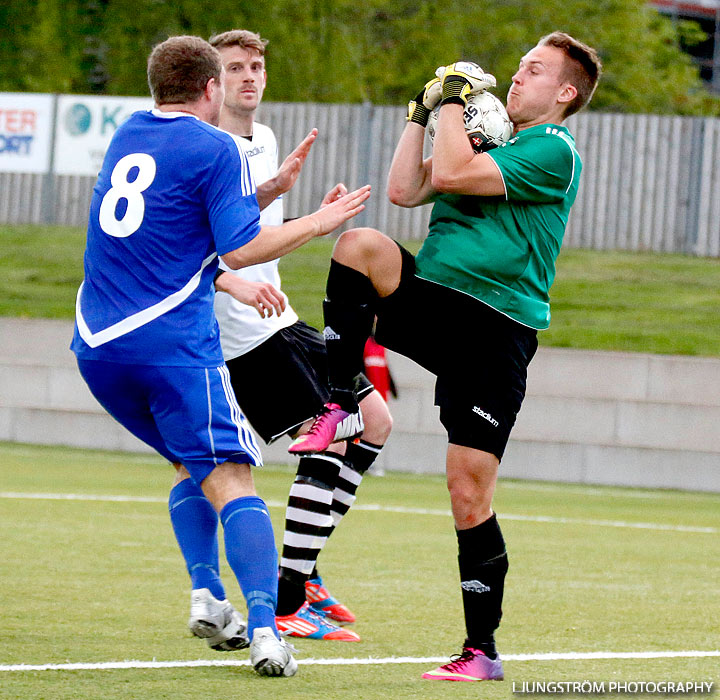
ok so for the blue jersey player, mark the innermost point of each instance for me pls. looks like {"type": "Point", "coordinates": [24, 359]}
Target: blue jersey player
{"type": "Point", "coordinates": [174, 193]}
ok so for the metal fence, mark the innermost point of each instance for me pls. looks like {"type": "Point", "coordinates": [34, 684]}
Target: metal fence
{"type": "Point", "coordinates": [649, 182]}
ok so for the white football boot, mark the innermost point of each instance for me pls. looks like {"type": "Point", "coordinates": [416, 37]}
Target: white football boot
{"type": "Point", "coordinates": [217, 622]}
{"type": "Point", "coordinates": [271, 656]}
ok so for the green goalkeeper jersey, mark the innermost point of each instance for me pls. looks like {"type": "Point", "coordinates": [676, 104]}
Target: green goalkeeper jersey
{"type": "Point", "coordinates": [502, 250]}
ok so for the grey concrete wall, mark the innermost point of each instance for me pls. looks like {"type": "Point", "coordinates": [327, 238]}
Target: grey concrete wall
{"type": "Point", "coordinates": [589, 417]}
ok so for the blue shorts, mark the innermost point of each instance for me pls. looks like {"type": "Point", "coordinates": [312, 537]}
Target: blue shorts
{"type": "Point", "coordinates": [188, 414]}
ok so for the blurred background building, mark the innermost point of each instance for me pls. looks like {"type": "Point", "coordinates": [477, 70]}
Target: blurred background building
{"type": "Point", "coordinates": [707, 14]}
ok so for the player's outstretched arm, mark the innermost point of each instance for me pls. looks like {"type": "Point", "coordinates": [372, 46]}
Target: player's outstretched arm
{"type": "Point", "coordinates": [262, 296]}
{"type": "Point", "coordinates": [287, 174]}
{"type": "Point", "coordinates": [275, 241]}
{"type": "Point", "coordinates": [335, 193]}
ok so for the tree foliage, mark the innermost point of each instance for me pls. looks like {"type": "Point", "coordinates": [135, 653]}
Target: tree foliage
{"type": "Point", "coordinates": [380, 51]}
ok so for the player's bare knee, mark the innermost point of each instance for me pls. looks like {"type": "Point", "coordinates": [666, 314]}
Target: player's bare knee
{"type": "Point", "coordinates": [377, 419]}
{"type": "Point", "coordinates": [377, 430]}
{"type": "Point", "coordinates": [373, 254]}
{"type": "Point", "coordinates": [469, 507]}
{"type": "Point", "coordinates": [386, 425]}
{"type": "Point", "coordinates": [358, 244]}
{"type": "Point", "coordinates": [464, 508]}
{"type": "Point", "coordinates": [471, 501]}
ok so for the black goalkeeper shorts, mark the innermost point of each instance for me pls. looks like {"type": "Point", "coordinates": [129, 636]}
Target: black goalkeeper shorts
{"type": "Point", "coordinates": [479, 356]}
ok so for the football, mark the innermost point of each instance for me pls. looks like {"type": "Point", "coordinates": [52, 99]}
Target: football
{"type": "Point", "coordinates": [486, 122]}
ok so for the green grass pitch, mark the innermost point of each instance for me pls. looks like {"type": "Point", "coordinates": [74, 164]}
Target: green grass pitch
{"type": "Point", "coordinates": [95, 580]}
{"type": "Point", "coordinates": [601, 300]}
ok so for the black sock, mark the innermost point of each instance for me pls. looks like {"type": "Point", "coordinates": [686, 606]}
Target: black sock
{"type": "Point", "coordinates": [487, 647]}
{"type": "Point", "coordinates": [483, 564]}
{"type": "Point", "coordinates": [362, 454]}
{"type": "Point", "coordinates": [349, 311]}
{"type": "Point", "coordinates": [291, 593]}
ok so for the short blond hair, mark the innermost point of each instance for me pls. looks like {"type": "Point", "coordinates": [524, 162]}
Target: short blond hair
{"type": "Point", "coordinates": [243, 38]}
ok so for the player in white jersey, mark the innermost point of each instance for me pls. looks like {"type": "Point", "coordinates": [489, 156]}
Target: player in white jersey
{"type": "Point", "coordinates": [242, 328]}
{"type": "Point", "coordinates": [278, 364]}
{"type": "Point", "coordinates": [173, 194]}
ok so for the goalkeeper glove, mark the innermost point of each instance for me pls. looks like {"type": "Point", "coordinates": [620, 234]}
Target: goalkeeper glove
{"type": "Point", "coordinates": [424, 102]}
{"type": "Point", "coordinates": [462, 79]}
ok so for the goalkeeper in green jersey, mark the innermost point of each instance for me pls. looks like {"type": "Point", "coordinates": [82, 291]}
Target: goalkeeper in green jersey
{"type": "Point", "coordinates": [469, 306]}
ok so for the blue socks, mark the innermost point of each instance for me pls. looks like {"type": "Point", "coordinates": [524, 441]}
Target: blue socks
{"type": "Point", "coordinates": [252, 555]}
{"type": "Point", "coordinates": [195, 523]}
{"type": "Point", "coordinates": [249, 547]}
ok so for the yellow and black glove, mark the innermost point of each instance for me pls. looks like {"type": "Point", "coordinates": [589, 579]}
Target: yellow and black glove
{"type": "Point", "coordinates": [424, 102]}
{"type": "Point", "coordinates": [462, 79]}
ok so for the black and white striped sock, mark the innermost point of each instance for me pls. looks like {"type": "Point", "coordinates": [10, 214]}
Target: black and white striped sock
{"type": "Point", "coordinates": [308, 522]}
{"type": "Point", "coordinates": [359, 457]}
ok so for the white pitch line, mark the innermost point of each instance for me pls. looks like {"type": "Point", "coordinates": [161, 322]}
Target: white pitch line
{"type": "Point", "coordinates": [81, 497]}
{"type": "Point", "coordinates": [374, 507]}
{"type": "Point", "coordinates": [547, 519]}
{"type": "Point", "coordinates": [566, 488]}
{"type": "Point", "coordinates": [611, 523]}
{"type": "Point", "coordinates": [370, 661]}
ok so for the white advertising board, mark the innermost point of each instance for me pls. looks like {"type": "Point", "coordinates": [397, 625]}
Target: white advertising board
{"type": "Point", "coordinates": [85, 125]}
{"type": "Point", "coordinates": [25, 129]}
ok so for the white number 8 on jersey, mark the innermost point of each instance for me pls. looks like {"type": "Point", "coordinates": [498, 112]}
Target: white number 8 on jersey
{"type": "Point", "coordinates": [130, 191]}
